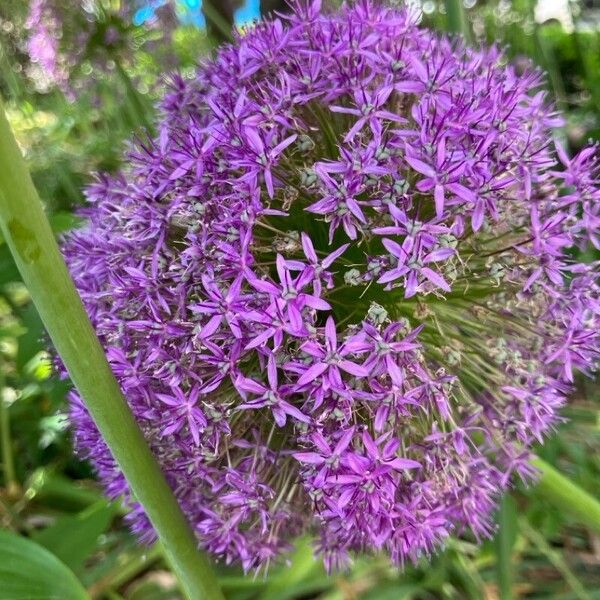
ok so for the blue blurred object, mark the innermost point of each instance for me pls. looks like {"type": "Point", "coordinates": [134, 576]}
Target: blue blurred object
{"type": "Point", "coordinates": [190, 12]}
{"type": "Point", "coordinates": [146, 12]}
{"type": "Point", "coordinates": [248, 13]}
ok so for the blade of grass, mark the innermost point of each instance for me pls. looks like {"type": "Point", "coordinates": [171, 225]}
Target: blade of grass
{"type": "Point", "coordinates": [566, 495]}
{"type": "Point", "coordinates": [133, 99]}
{"type": "Point", "coordinates": [8, 464]}
{"type": "Point", "coordinates": [31, 241]}
{"type": "Point", "coordinates": [466, 573]}
{"type": "Point", "coordinates": [138, 562]}
{"type": "Point", "coordinates": [538, 540]}
{"type": "Point", "coordinates": [8, 77]}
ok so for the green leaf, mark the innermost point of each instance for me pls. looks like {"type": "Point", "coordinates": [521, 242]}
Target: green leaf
{"type": "Point", "coordinates": [394, 591]}
{"type": "Point", "coordinates": [73, 538]}
{"type": "Point", "coordinates": [29, 572]}
{"type": "Point", "coordinates": [303, 566]}
{"type": "Point", "coordinates": [56, 491]}
{"type": "Point", "coordinates": [64, 221]}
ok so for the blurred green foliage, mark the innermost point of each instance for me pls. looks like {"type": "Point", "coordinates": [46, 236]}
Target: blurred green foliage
{"type": "Point", "coordinates": [567, 49]}
{"type": "Point", "coordinates": [49, 496]}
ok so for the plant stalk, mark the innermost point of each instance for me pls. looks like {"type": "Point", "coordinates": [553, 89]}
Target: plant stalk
{"type": "Point", "coordinates": [26, 230]}
{"type": "Point", "coordinates": [504, 550]}
{"type": "Point", "coordinates": [569, 497]}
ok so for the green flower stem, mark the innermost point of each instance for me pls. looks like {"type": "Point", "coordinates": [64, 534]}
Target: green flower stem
{"type": "Point", "coordinates": [564, 494]}
{"type": "Point", "coordinates": [31, 241]}
{"type": "Point", "coordinates": [504, 547]}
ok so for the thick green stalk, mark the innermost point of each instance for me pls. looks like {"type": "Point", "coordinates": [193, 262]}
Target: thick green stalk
{"type": "Point", "coordinates": [31, 241]}
{"type": "Point", "coordinates": [569, 497]}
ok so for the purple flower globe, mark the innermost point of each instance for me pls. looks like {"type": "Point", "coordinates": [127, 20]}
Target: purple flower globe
{"type": "Point", "coordinates": [341, 290]}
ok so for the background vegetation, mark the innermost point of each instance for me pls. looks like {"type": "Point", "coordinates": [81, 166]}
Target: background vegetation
{"type": "Point", "coordinates": [54, 522]}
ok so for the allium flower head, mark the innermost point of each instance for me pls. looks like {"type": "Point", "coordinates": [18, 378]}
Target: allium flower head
{"type": "Point", "coordinates": [339, 290]}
